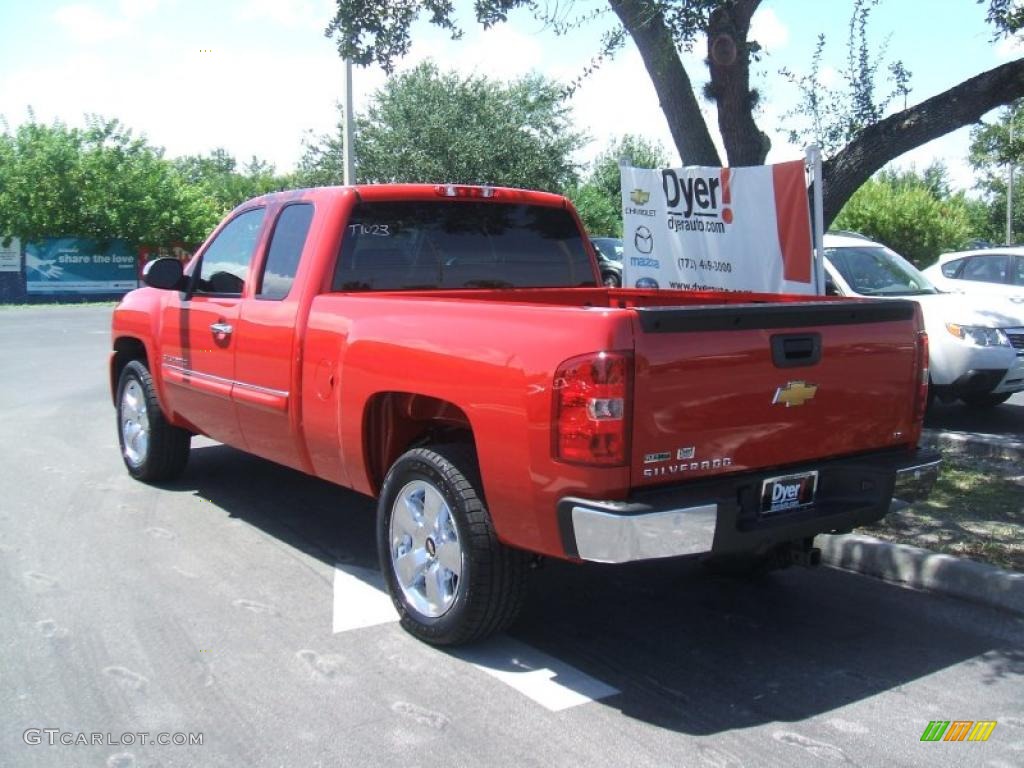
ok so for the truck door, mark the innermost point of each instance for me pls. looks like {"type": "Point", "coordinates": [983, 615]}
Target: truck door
{"type": "Point", "coordinates": [198, 331]}
{"type": "Point", "coordinates": [266, 392]}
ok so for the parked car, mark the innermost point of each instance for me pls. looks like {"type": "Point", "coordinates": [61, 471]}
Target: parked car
{"type": "Point", "coordinates": [609, 247]}
{"type": "Point", "coordinates": [976, 342]}
{"type": "Point", "coordinates": [609, 259]}
{"type": "Point", "coordinates": [988, 271]}
{"type": "Point", "coordinates": [448, 350]}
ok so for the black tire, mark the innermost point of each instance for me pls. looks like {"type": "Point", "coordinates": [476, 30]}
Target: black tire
{"type": "Point", "coordinates": [611, 280]}
{"type": "Point", "coordinates": [489, 591]}
{"type": "Point", "coordinates": [165, 453]}
{"type": "Point", "coordinates": [986, 401]}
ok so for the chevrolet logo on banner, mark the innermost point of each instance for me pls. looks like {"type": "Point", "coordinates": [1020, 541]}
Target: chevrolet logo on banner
{"type": "Point", "coordinates": [639, 197]}
{"type": "Point", "coordinates": [794, 393]}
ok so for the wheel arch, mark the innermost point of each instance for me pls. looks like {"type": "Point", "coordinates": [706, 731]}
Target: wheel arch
{"type": "Point", "coordinates": [395, 422]}
{"type": "Point", "coordinates": [126, 349]}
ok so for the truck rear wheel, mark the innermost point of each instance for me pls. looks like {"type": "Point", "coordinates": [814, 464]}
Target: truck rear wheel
{"type": "Point", "coordinates": [152, 449]}
{"type": "Point", "coordinates": [450, 578]}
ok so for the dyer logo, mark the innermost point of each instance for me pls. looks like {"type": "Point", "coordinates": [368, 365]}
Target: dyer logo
{"type": "Point", "coordinates": [790, 492]}
{"type": "Point", "coordinates": [698, 195]}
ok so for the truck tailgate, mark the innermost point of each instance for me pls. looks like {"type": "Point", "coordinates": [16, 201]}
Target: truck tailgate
{"type": "Point", "coordinates": [755, 386]}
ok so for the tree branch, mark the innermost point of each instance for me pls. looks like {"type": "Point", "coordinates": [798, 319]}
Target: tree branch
{"type": "Point", "coordinates": [887, 139]}
{"type": "Point", "coordinates": [647, 27]}
{"type": "Point", "coordinates": [729, 66]}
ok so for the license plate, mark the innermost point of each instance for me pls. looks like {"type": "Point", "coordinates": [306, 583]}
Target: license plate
{"type": "Point", "coordinates": [780, 494]}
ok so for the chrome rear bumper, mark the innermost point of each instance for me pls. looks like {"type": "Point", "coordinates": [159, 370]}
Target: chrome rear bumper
{"type": "Point", "coordinates": [607, 537]}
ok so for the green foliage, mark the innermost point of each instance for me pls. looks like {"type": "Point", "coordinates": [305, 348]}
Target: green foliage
{"type": "Point", "coordinates": [599, 199]}
{"type": "Point", "coordinates": [216, 174]}
{"type": "Point", "coordinates": [425, 125]}
{"type": "Point", "coordinates": [995, 147]}
{"type": "Point", "coordinates": [912, 213]}
{"type": "Point", "coordinates": [100, 181]}
{"type": "Point", "coordinates": [832, 116]}
{"type": "Point", "coordinates": [1007, 16]}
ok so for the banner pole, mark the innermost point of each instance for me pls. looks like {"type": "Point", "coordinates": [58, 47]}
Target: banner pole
{"type": "Point", "coordinates": [814, 162]}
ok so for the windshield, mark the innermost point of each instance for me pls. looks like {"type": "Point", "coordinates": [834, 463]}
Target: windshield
{"type": "Point", "coordinates": [610, 247]}
{"type": "Point", "coordinates": [874, 270]}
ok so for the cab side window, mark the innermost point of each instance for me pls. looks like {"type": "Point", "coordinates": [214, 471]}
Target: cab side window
{"type": "Point", "coordinates": [1019, 276]}
{"type": "Point", "coordinates": [286, 246]}
{"type": "Point", "coordinates": [951, 268]}
{"type": "Point", "coordinates": [988, 269]}
{"type": "Point", "coordinates": [225, 263]}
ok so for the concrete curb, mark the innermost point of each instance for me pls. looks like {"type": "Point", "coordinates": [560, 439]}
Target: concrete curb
{"type": "Point", "coordinates": [974, 444]}
{"type": "Point", "coordinates": [923, 569]}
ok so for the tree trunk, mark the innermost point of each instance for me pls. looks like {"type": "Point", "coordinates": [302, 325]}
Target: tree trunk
{"type": "Point", "coordinates": [646, 25]}
{"type": "Point", "coordinates": [729, 66]}
{"type": "Point", "coordinates": [887, 139]}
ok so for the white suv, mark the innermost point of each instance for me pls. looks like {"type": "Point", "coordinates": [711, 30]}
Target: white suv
{"type": "Point", "coordinates": [992, 270]}
{"type": "Point", "coordinates": [976, 343]}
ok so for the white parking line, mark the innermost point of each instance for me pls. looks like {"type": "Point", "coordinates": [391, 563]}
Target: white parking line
{"type": "Point", "coordinates": [551, 683]}
{"type": "Point", "coordinates": [360, 601]}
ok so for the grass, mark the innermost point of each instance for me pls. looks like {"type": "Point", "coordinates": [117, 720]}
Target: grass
{"type": "Point", "coordinates": [976, 510]}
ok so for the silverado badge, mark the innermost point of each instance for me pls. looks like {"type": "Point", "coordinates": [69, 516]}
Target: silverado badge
{"type": "Point", "coordinates": [794, 393]}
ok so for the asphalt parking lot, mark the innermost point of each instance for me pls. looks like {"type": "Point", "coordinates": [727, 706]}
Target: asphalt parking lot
{"type": "Point", "coordinates": [239, 604]}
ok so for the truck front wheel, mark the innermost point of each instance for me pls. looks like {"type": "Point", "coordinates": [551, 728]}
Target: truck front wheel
{"type": "Point", "coordinates": [450, 578]}
{"type": "Point", "coordinates": [152, 449]}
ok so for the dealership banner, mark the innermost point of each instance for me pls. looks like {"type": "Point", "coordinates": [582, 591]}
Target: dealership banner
{"type": "Point", "coordinates": [704, 228]}
{"type": "Point", "coordinates": [10, 255]}
{"type": "Point", "coordinates": [79, 265]}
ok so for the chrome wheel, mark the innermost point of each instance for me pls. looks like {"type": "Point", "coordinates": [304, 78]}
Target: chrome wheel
{"type": "Point", "coordinates": [134, 423]}
{"type": "Point", "coordinates": [426, 554]}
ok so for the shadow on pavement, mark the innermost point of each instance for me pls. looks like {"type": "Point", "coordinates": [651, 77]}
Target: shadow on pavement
{"type": "Point", "coordinates": [689, 652]}
{"type": "Point", "coordinates": [1006, 420]}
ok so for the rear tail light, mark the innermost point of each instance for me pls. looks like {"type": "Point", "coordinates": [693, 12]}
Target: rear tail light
{"type": "Point", "coordinates": [591, 394]}
{"type": "Point", "coordinates": [921, 395]}
{"type": "Point", "coordinates": [464, 190]}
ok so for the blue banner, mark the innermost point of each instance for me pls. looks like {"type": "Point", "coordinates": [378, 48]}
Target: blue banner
{"type": "Point", "coordinates": [80, 265]}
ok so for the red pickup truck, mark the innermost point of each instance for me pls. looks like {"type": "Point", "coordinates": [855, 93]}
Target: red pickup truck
{"type": "Point", "coordinates": [452, 351]}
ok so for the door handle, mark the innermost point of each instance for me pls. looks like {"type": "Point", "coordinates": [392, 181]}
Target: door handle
{"type": "Point", "coordinates": [222, 329]}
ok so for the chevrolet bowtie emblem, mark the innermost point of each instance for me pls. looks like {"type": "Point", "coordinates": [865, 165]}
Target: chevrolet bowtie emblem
{"type": "Point", "coordinates": [794, 393]}
{"type": "Point", "coordinates": [639, 196]}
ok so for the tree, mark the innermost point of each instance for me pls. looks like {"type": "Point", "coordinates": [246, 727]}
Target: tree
{"type": "Point", "coordinates": [913, 213]}
{"type": "Point", "coordinates": [832, 116]}
{"type": "Point", "coordinates": [100, 182]}
{"type": "Point", "coordinates": [425, 125]}
{"type": "Point", "coordinates": [995, 148]}
{"type": "Point", "coordinates": [217, 175]}
{"type": "Point", "coordinates": [371, 31]}
{"type": "Point", "coordinates": [599, 199]}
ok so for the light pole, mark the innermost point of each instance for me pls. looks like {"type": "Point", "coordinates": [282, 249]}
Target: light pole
{"type": "Point", "coordinates": [348, 153]}
{"type": "Point", "coordinates": [1009, 181]}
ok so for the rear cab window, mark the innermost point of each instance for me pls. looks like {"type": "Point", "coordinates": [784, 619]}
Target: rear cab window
{"type": "Point", "coordinates": [286, 245]}
{"type": "Point", "coordinates": [409, 245]}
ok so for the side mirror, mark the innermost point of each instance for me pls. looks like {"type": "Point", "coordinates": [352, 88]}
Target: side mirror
{"type": "Point", "coordinates": [165, 273]}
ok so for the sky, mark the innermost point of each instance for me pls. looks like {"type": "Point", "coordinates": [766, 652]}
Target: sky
{"type": "Point", "coordinates": [253, 76]}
